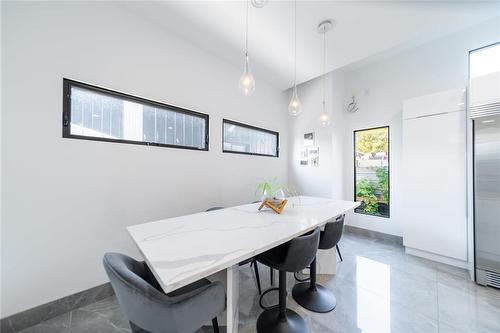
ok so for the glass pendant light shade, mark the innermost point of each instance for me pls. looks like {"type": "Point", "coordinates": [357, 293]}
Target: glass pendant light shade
{"type": "Point", "coordinates": [247, 81]}
{"type": "Point", "coordinates": [295, 106]}
{"type": "Point", "coordinates": [324, 120]}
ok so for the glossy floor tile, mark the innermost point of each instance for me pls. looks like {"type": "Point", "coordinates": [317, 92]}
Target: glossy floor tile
{"type": "Point", "coordinates": [378, 288]}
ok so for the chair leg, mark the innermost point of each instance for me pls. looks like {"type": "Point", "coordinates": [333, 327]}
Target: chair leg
{"type": "Point", "coordinates": [338, 251]}
{"type": "Point", "coordinates": [312, 276]}
{"type": "Point", "coordinates": [215, 325]}
{"type": "Point", "coordinates": [256, 269]}
{"type": "Point", "coordinates": [312, 296]}
{"type": "Point", "coordinates": [279, 319]}
{"type": "Point", "coordinates": [282, 296]}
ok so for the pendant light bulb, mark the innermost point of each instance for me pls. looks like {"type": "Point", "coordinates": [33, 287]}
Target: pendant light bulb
{"type": "Point", "coordinates": [324, 120]}
{"type": "Point", "coordinates": [295, 106]}
{"type": "Point", "coordinates": [247, 81]}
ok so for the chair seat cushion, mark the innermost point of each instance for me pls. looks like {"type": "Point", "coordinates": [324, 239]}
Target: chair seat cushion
{"type": "Point", "coordinates": [189, 288]}
{"type": "Point", "coordinates": [274, 257]}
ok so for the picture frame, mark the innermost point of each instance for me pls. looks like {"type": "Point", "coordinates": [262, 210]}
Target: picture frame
{"type": "Point", "coordinates": [309, 139]}
{"type": "Point", "coordinates": [304, 160]}
{"type": "Point", "coordinates": [313, 154]}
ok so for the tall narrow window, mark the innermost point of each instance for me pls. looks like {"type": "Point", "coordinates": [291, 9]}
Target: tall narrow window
{"type": "Point", "coordinates": [371, 171]}
{"type": "Point", "coordinates": [95, 113]}
{"type": "Point", "coordinates": [245, 139]}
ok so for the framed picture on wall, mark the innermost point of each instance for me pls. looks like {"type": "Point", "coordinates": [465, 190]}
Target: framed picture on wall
{"type": "Point", "coordinates": [304, 160]}
{"type": "Point", "coordinates": [309, 139]}
{"type": "Point", "coordinates": [313, 154]}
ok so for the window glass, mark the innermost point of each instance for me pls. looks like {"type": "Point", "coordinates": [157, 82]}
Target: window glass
{"type": "Point", "coordinates": [97, 113]}
{"type": "Point", "coordinates": [246, 139]}
{"type": "Point", "coordinates": [485, 61]}
{"type": "Point", "coordinates": [371, 171]}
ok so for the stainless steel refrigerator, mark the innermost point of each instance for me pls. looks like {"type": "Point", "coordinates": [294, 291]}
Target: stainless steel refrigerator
{"type": "Point", "coordinates": [487, 198]}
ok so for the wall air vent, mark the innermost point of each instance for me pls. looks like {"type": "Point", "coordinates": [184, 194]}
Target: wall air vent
{"type": "Point", "coordinates": [488, 278]}
{"type": "Point", "coordinates": [484, 110]}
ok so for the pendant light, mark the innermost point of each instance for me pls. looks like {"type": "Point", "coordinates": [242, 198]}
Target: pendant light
{"type": "Point", "coordinates": [259, 3]}
{"type": "Point", "coordinates": [295, 106]}
{"type": "Point", "coordinates": [323, 28]}
{"type": "Point", "coordinates": [247, 81]}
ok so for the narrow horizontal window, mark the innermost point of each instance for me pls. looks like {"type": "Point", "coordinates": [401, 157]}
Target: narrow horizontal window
{"type": "Point", "coordinates": [245, 139]}
{"type": "Point", "coordinates": [94, 113]}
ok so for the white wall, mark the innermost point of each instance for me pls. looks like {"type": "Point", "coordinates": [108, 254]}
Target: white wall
{"type": "Point", "coordinates": [67, 201]}
{"type": "Point", "coordinates": [327, 179]}
{"type": "Point", "coordinates": [380, 87]}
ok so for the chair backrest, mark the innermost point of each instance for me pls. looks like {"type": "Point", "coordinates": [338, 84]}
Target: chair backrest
{"type": "Point", "coordinates": [213, 208]}
{"type": "Point", "coordinates": [301, 252]}
{"type": "Point", "coordinates": [332, 233]}
{"type": "Point", "coordinates": [138, 292]}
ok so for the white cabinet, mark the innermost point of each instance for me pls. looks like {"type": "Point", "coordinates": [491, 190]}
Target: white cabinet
{"type": "Point", "coordinates": [433, 188]}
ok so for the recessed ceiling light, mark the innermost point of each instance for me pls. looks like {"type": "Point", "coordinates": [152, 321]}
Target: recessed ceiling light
{"type": "Point", "coordinates": [488, 121]}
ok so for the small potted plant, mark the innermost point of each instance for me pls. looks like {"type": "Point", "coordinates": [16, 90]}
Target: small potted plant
{"type": "Point", "coordinates": [271, 191]}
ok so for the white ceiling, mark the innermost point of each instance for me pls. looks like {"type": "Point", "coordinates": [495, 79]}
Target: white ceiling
{"type": "Point", "coordinates": [362, 29]}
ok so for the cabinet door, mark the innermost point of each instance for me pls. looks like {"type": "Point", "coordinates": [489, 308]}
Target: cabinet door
{"type": "Point", "coordinates": [433, 184]}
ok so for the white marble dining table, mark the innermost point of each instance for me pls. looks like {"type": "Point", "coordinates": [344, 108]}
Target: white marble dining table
{"type": "Point", "coordinates": [184, 249]}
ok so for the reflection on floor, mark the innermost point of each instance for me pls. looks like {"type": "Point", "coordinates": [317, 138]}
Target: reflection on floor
{"type": "Point", "coordinates": [378, 289]}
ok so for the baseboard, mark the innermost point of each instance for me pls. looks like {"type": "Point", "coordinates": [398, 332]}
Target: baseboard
{"type": "Point", "coordinates": [437, 257]}
{"type": "Point", "coordinates": [31, 317]}
{"type": "Point", "coordinates": [374, 234]}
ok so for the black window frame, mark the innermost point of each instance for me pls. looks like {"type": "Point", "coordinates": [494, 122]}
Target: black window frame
{"type": "Point", "coordinates": [232, 122]}
{"type": "Point", "coordinates": [66, 121]}
{"type": "Point", "coordinates": [388, 168]}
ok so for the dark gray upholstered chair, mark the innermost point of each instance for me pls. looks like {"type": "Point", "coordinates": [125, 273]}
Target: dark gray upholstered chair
{"type": "Point", "coordinates": [293, 256]}
{"type": "Point", "coordinates": [250, 261]}
{"type": "Point", "coordinates": [313, 296]}
{"type": "Point", "coordinates": [330, 237]}
{"type": "Point", "coordinates": [148, 309]}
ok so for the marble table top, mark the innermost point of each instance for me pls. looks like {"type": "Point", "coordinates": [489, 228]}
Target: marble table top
{"type": "Point", "coordinates": [184, 249]}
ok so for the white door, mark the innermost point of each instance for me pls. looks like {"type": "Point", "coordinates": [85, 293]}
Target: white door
{"type": "Point", "coordinates": [433, 184]}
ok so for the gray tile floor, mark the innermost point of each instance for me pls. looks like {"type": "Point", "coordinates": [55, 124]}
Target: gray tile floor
{"type": "Point", "coordinates": [378, 288]}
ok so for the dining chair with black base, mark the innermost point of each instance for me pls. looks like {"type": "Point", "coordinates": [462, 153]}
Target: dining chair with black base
{"type": "Point", "coordinates": [338, 251]}
{"type": "Point", "coordinates": [150, 310]}
{"type": "Point", "coordinates": [311, 295]}
{"type": "Point", "coordinates": [292, 256]}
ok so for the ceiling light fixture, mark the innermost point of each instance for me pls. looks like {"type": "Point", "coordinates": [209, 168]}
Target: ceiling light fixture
{"type": "Point", "coordinates": [295, 107]}
{"type": "Point", "coordinates": [247, 81]}
{"type": "Point", "coordinates": [259, 3]}
{"type": "Point", "coordinates": [323, 28]}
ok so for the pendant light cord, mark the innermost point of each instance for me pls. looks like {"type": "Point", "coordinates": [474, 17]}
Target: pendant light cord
{"type": "Point", "coordinates": [324, 69]}
{"type": "Point", "coordinates": [295, 46]}
{"type": "Point", "coordinates": [246, 32]}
